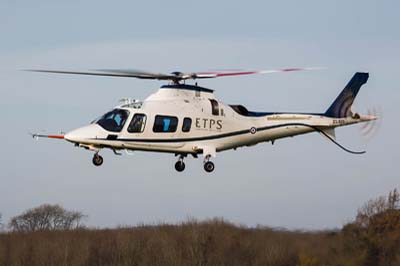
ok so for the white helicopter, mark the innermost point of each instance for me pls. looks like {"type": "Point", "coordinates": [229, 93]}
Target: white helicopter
{"type": "Point", "coordinates": [188, 120]}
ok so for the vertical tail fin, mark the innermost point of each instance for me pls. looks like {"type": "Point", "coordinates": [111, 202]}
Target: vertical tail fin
{"type": "Point", "coordinates": [341, 107]}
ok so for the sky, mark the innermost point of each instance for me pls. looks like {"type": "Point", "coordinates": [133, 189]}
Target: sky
{"type": "Point", "coordinates": [303, 182]}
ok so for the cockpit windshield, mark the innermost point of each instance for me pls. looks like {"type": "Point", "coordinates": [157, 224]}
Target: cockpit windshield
{"type": "Point", "coordinates": [114, 120]}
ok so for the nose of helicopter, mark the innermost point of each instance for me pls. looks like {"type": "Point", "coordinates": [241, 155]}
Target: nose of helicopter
{"type": "Point", "coordinates": [82, 134]}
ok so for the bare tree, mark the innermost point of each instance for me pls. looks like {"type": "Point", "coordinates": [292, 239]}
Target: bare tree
{"type": "Point", "coordinates": [1, 223]}
{"type": "Point", "coordinates": [377, 206]}
{"type": "Point", "coordinates": [47, 217]}
{"type": "Point", "coordinates": [393, 199]}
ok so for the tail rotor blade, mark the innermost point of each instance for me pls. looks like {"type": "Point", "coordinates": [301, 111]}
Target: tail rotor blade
{"type": "Point", "coordinates": [369, 129]}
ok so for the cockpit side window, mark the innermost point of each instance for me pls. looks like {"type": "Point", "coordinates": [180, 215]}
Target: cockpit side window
{"type": "Point", "coordinates": [137, 124]}
{"type": "Point", "coordinates": [114, 121]}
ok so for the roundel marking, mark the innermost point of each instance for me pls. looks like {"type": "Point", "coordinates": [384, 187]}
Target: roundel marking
{"type": "Point", "coordinates": [253, 130]}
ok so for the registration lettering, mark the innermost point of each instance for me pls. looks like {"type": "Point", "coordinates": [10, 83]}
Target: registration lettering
{"type": "Point", "coordinates": [339, 121]}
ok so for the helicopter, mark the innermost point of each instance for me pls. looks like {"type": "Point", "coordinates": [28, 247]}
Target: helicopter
{"type": "Point", "coordinates": [187, 119]}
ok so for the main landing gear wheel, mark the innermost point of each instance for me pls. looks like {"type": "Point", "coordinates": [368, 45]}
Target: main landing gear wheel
{"type": "Point", "coordinates": [97, 160]}
{"type": "Point", "coordinates": [209, 166]}
{"type": "Point", "coordinates": [180, 166]}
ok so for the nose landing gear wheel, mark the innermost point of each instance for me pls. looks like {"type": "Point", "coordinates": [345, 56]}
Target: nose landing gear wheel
{"type": "Point", "coordinates": [209, 166]}
{"type": "Point", "coordinates": [97, 160]}
{"type": "Point", "coordinates": [180, 166]}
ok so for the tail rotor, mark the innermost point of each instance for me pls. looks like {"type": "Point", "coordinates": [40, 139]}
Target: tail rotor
{"type": "Point", "coordinates": [369, 129]}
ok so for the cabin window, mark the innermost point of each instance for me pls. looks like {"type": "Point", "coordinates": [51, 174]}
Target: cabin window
{"type": "Point", "coordinates": [113, 121]}
{"type": "Point", "coordinates": [187, 123]}
{"type": "Point", "coordinates": [164, 124]}
{"type": "Point", "coordinates": [137, 124]}
{"type": "Point", "coordinates": [214, 107]}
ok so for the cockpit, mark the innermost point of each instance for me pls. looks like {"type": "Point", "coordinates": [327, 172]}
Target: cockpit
{"type": "Point", "coordinates": [114, 120]}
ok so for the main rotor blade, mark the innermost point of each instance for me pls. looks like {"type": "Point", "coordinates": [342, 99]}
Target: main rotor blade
{"type": "Point", "coordinates": [218, 74]}
{"type": "Point", "coordinates": [138, 74]}
{"type": "Point", "coordinates": [110, 73]}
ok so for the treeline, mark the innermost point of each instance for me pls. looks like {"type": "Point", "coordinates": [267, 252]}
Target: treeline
{"type": "Point", "coordinates": [373, 238]}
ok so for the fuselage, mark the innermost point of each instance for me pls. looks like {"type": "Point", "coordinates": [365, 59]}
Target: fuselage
{"type": "Point", "coordinates": [185, 119]}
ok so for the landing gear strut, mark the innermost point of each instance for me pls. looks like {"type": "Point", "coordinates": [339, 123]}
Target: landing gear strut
{"type": "Point", "coordinates": [208, 165]}
{"type": "Point", "coordinates": [97, 159]}
{"type": "Point", "coordinates": [180, 165]}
